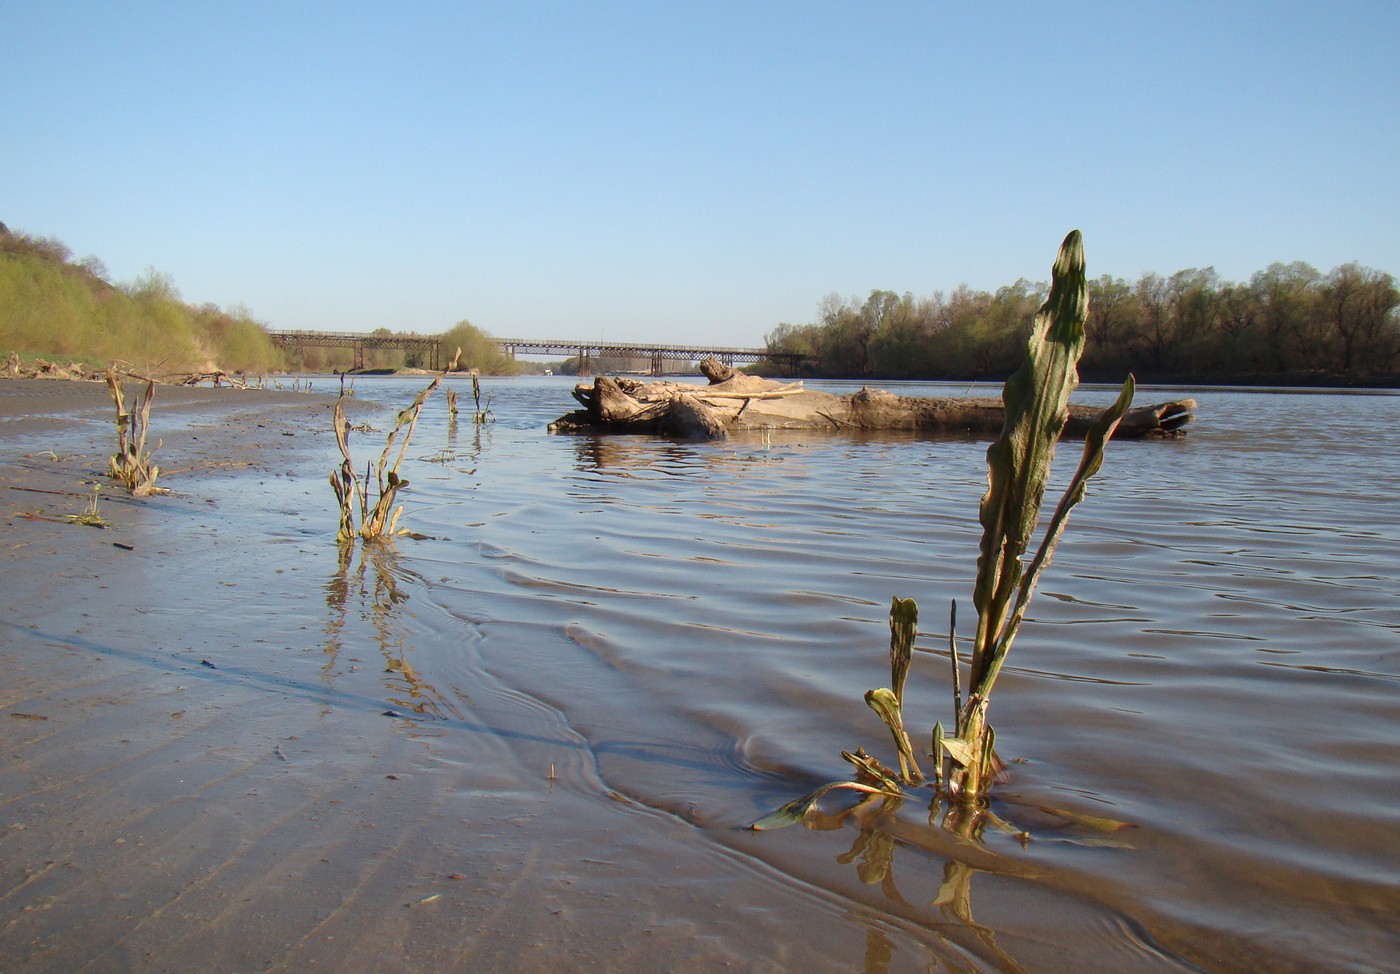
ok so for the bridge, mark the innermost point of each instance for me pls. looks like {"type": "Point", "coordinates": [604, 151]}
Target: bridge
{"type": "Point", "coordinates": [429, 345]}
{"type": "Point", "coordinates": [590, 354]}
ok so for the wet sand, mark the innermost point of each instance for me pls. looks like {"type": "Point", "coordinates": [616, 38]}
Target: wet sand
{"type": "Point", "coordinates": [187, 785]}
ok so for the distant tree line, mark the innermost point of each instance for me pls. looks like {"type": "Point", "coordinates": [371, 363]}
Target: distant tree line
{"type": "Point", "coordinates": [1289, 323]}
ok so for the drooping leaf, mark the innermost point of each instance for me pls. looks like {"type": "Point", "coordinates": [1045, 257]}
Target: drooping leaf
{"type": "Point", "coordinates": [797, 809]}
{"type": "Point", "coordinates": [870, 771]}
{"type": "Point", "coordinates": [1095, 823]}
{"type": "Point", "coordinates": [883, 702]}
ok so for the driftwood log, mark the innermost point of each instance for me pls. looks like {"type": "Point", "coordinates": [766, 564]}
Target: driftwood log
{"type": "Point", "coordinates": [734, 401]}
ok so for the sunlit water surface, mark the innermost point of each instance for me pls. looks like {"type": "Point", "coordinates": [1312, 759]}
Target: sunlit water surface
{"type": "Point", "coordinates": [1213, 657]}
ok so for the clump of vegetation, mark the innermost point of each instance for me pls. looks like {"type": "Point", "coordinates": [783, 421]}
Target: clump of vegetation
{"type": "Point", "coordinates": [377, 521]}
{"type": "Point", "coordinates": [482, 413]}
{"type": "Point", "coordinates": [477, 350]}
{"type": "Point", "coordinates": [91, 517]}
{"type": "Point", "coordinates": [964, 762]}
{"type": "Point", "coordinates": [131, 465]}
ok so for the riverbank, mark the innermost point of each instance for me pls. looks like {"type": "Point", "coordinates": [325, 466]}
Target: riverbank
{"type": "Point", "coordinates": [218, 755]}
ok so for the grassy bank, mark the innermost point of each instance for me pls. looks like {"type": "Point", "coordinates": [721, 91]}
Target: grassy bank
{"type": "Point", "coordinates": [54, 307]}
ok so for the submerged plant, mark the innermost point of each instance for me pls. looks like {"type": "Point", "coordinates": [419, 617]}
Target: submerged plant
{"type": "Point", "coordinates": [131, 465]}
{"type": "Point", "coordinates": [1036, 401]}
{"type": "Point", "coordinates": [380, 520]}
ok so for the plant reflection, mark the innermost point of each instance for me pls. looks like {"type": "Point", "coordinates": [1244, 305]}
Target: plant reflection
{"type": "Point", "coordinates": [373, 590]}
{"type": "Point", "coordinates": [949, 912]}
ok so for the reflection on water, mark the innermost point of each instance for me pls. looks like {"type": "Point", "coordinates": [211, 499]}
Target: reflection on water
{"type": "Point", "coordinates": [949, 912]}
{"type": "Point", "coordinates": [1215, 661]}
{"type": "Point", "coordinates": [370, 586]}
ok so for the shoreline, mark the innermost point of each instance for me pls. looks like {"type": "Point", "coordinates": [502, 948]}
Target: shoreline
{"type": "Point", "coordinates": [217, 757]}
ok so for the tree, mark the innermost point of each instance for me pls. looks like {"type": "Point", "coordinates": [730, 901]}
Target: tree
{"type": "Point", "coordinates": [1114, 317]}
{"type": "Point", "coordinates": [1286, 296]}
{"type": "Point", "coordinates": [479, 350]}
{"type": "Point", "coordinates": [1154, 338]}
{"type": "Point", "coordinates": [1359, 303]}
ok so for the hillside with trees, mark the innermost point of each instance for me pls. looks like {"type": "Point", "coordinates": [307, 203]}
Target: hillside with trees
{"type": "Point", "coordinates": [1290, 323]}
{"type": "Point", "coordinates": [54, 307]}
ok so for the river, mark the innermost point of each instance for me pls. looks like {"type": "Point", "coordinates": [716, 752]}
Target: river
{"type": "Point", "coordinates": [1212, 660]}
{"type": "Point", "coordinates": [532, 734]}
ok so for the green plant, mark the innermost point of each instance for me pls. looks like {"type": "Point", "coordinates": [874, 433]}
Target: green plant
{"type": "Point", "coordinates": [381, 520]}
{"type": "Point", "coordinates": [1036, 402]}
{"type": "Point", "coordinates": [91, 517]}
{"type": "Point", "coordinates": [131, 465]}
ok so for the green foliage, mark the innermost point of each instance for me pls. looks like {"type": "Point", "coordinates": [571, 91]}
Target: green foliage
{"type": "Point", "coordinates": [234, 336]}
{"type": "Point", "coordinates": [1289, 321]}
{"type": "Point", "coordinates": [1036, 400]}
{"type": "Point", "coordinates": [54, 308]}
{"type": "Point", "coordinates": [478, 350]}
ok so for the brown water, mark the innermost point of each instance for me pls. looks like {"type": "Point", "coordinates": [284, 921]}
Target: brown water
{"type": "Point", "coordinates": [686, 630]}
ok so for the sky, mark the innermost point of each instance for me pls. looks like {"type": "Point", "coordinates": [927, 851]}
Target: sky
{"type": "Point", "coordinates": [692, 173]}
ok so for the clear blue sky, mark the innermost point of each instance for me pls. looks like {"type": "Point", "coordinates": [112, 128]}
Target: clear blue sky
{"type": "Point", "coordinates": [692, 172]}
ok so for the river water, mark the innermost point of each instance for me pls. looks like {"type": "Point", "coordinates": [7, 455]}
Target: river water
{"type": "Point", "coordinates": [1200, 713]}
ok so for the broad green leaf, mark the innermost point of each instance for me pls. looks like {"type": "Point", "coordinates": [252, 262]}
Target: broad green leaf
{"type": "Point", "coordinates": [904, 624]}
{"type": "Point", "coordinates": [1036, 402]}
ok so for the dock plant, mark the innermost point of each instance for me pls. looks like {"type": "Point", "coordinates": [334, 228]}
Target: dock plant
{"type": "Point", "coordinates": [962, 756]}
{"type": "Point", "coordinates": [378, 517]}
{"type": "Point", "coordinates": [131, 465]}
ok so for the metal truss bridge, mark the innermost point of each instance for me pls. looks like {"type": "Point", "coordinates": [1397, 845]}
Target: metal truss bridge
{"type": "Point", "coordinates": [655, 357]}
{"type": "Point", "coordinates": [590, 354]}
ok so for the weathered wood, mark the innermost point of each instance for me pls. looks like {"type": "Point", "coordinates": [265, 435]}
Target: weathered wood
{"type": "Point", "coordinates": [743, 402]}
